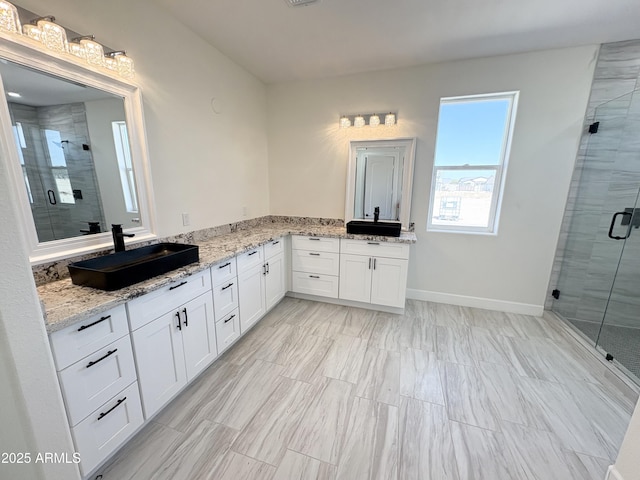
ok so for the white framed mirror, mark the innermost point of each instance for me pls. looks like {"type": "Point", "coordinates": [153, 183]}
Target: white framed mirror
{"type": "Point", "coordinates": [74, 141]}
{"type": "Point", "coordinates": [380, 176]}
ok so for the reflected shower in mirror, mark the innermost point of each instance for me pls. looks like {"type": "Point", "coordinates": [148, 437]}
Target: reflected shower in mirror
{"type": "Point", "coordinates": [74, 151]}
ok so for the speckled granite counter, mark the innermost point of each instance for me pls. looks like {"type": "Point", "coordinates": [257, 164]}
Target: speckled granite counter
{"type": "Point", "coordinates": [65, 304]}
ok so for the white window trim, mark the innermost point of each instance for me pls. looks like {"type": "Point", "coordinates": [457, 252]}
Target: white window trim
{"type": "Point", "coordinates": [500, 169]}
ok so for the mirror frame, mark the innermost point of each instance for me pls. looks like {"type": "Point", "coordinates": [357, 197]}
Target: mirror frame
{"type": "Point", "coordinates": [28, 53]}
{"type": "Point", "coordinates": [407, 175]}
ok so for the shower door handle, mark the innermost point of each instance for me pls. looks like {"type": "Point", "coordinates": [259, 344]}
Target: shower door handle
{"type": "Point", "coordinates": [52, 197]}
{"type": "Point", "coordinates": [613, 222]}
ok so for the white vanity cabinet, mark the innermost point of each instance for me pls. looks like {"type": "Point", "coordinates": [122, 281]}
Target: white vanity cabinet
{"type": "Point", "coordinates": [261, 281]}
{"type": "Point", "coordinates": [98, 380]}
{"type": "Point", "coordinates": [374, 272]}
{"type": "Point", "coordinates": [173, 348]}
{"type": "Point", "coordinates": [225, 303]}
{"type": "Point", "coordinates": [315, 265]}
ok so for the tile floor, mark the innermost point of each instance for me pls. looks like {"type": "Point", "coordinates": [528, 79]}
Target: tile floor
{"type": "Point", "coordinates": [318, 391]}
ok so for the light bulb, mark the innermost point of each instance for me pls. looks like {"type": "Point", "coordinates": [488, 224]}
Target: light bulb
{"type": "Point", "coordinates": [345, 122]}
{"type": "Point", "coordinates": [390, 119]}
{"type": "Point", "coordinates": [54, 36]}
{"type": "Point", "coordinates": [9, 19]}
{"type": "Point", "coordinates": [93, 51]}
{"type": "Point", "coordinates": [374, 120]}
{"type": "Point", "coordinates": [77, 50]}
{"type": "Point", "coordinates": [358, 121]}
{"type": "Point", "coordinates": [32, 32]}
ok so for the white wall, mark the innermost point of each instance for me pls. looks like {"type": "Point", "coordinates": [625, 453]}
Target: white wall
{"type": "Point", "coordinates": [308, 157]}
{"type": "Point", "coordinates": [206, 164]}
{"type": "Point", "coordinates": [100, 116]}
{"type": "Point", "coordinates": [627, 466]}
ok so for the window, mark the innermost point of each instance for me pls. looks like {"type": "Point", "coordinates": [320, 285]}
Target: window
{"type": "Point", "coordinates": [59, 166]}
{"type": "Point", "coordinates": [472, 149]}
{"type": "Point", "coordinates": [127, 179]}
{"type": "Point", "coordinates": [20, 141]}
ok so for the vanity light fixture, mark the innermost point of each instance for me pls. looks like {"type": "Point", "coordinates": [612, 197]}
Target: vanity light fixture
{"type": "Point", "coordinates": [33, 32]}
{"type": "Point", "coordinates": [93, 51]}
{"type": "Point", "coordinates": [78, 50]}
{"type": "Point", "coordinates": [345, 122]}
{"type": "Point", "coordinates": [54, 36]}
{"type": "Point", "coordinates": [124, 64]}
{"type": "Point", "coordinates": [9, 19]}
{"type": "Point", "coordinates": [390, 119]}
{"type": "Point", "coordinates": [360, 120]}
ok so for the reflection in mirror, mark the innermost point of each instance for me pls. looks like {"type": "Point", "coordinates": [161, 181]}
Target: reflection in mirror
{"type": "Point", "coordinates": [380, 177]}
{"type": "Point", "coordinates": [74, 151]}
{"type": "Point", "coordinates": [378, 182]}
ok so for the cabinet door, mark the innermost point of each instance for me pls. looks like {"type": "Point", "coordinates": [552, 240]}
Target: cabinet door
{"type": "Point", "coordinates": [198, 334]}
{"type": "Point", "coordinates": [227, 331]}
{"type": "Point", "coordinates": [160, 360]}
{"type": "Point", "coordinates": [389, 282]}
{"type": "Point", "coordinates": [355, 277]}
{"type": "Point", "coordinates": [275, 280]}
{"type": "Point", "coordinates": [251, 297]}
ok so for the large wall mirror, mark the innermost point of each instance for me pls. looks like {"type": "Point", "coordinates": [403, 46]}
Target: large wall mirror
{"type": "Point", "coordinates": [77, 150]}
{"type": "Point", "coordinates": [380, 176]}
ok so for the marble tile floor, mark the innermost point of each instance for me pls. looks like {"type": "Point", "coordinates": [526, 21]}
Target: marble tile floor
{"type": "Point", "coordinates": [318, 391]}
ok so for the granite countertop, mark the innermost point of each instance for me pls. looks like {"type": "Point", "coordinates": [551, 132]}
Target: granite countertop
{"type": "Point", "coordinates": [64, 304]}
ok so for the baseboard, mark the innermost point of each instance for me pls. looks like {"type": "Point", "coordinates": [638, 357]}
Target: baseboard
{"type": "Point", "coordinates": [346, 303]}
{"type": "Point", "coordinates": [466, 301]}
{"type": "Point", "coordinates": [613, 474]}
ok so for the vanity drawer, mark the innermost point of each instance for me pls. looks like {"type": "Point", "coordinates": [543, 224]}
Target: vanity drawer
{"type": "Point", "coordinates": [315, 244]}
{"type": "Point", "coordinates": [375, 249]}
{"type": "Point", "coordinates": [87, 383]}
{"type": "Point", "coordinates": [108, 427]}
{"type": "Point", "coordinates": [223, 271]}
{"type": "Point", "coordinates": [225, 298]}
{"type": "Point", "coordinates": [273, 248]}
{"type": "Point", "coordinates": [325, 263]}
{"type": "Point", "coordinates": [227, 330]}
{"type": "Point", "coordinates": [77, 341]}
{"type": "Point", "coordinates": [313, 284]}
{"type": "Point", "coordinates": [250, 259]}
{"type": "Point", "coordinates": [144, 309]}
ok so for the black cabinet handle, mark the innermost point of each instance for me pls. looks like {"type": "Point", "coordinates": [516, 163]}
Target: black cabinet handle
{"type": "Point", "coordinates": [316, 239]}
{"type": "Point", "coordinates": [264, 269]}
{"type": "Point", "coordinates": [186, 317]}
{"type": "Point", "coordinates": [230, 318]}
{"type": "Point", "coordinates": [314, 254]}
{"type": "Point", "coordinates": [267, 265]}
{"type": "Point", "coordinates": [102, 319]}
{"type": "Point", "coordinates": [104, 414]}
{"type": "Point", "coordinates": [613, 221]}
{"type": "Point", "coordinates": [375, 260]}
{"type": "Point", "coordinates": [109, 353]}
{"type": "Point", "coordinates": [252, 253]}
{"type": "Point", "coordinates": [228, 286]}
{"type": "Point", "coordinates": [276, 242]}
{"type": "Point", "coordinates": [225, 265]}
{"type": "Point", "coordinates": [177, 286]}
{"type": "Point", "coordinates": [179, 321]}
{"type": "Point", "coordinates": [369, 263]}
{"type": "Point", "coordinates": [52, 197]}
{"type": "Point", "coordinates": [373, 243]}
{"type": "Point", "coordinates": [314, 276]}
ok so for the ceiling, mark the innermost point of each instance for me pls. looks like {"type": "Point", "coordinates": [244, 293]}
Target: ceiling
{"type": "Point", "coordinates": [278, 43]}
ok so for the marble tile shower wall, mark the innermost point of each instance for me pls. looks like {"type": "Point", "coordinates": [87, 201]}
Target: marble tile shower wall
{"type": "Point", "coordinates": [606, 180]}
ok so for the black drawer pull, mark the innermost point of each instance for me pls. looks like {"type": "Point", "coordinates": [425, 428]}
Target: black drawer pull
{"type": "Point", "coordinates": [225, 265]}
{"type": "Point", "coordinates": [102, 319]}
{"type": "Point", "coordinates": [186, 317]}
{"type": "Point", "coordinates": [252, 253]}
{"type": "Point", "coordinates": [373, 243]}
{"type": "Point", "coordinates": [228, 286]}
{"type": "Point", "coordinates": [276, 242]}
{"type": "Point", "coordinates": [109, 353]}
{"type": "Point", "coordinates": [314, 254]}
{"type": "Point", "coordinates": [179, 321]}
{"type": "Point", "coordinates": [316, 239]}
{"type": "Point", "coordinates": [176, 286]}
{"type": "Point", "coordinates": [230, 318]}
{"type": "Point", "coordinates": [314, 276]}
{"type": "Point", "coordinates": [104, 414]}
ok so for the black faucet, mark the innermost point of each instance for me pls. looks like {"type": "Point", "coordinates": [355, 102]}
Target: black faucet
{"type": "Point", "coordinates": [376, 214]}
{"type": "Point", "coordinates": [118, 237]}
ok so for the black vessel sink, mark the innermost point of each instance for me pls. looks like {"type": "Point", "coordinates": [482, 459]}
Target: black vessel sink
{"type": "Point", "coordinates": [385, 229]}
{"type": "Point", "coordinates": [122, 269]}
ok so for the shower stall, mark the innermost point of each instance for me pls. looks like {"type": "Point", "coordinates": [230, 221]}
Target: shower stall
{"type": "Point", "coordinates": [598, 286]}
